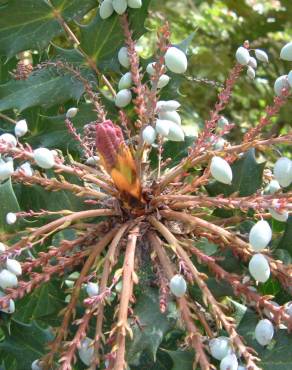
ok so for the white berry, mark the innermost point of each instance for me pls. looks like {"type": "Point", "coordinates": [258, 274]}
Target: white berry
{"type": "Point", "coordinates": [242, 55]}
{"type": "Point", "coordinates": [20, 128]}
{"type": "Point", "coordinates": [261, 55]}
{"type": "Point", "coordinates": [123, 98]}
{"type": "Point", "coordinates": [86, 351]}
{"type": "Point", "coordinates": [26, 169]}
{"type": "Point", "coordinates": [2, 248]}
{"type": "Point", "coordinates": [290, 78]}
{"type": "Point", "coordinates": [6, 170]}
{"type": "Point", "coordinates": [259, 268]}
{"type": "Point", "coordinates": [149, 135]}
{"type": "Point", "coordinates": [170, 116]}
{"type": "Point", "coordinates": [11, 307]}
{"type": "Point", "coordinates": [280, 84]}
{"type": "Point", "coordinates": [162, 127]}
{"type": "Point", "coordinates": [273, 187]}
{"type": "Point", "coordinates": [250, 73]}
{"type": "Point", "coordinates": [123, 57]}
{"type": "Point", "coordinates": [229, 362]}
{"type": "Point", "coordinates": [7, 279]}
{"type": "Point", "coordinates": [44, 158]}
{"type": "Point", "coordinates": [220, 347]}
{"type": "Point", "coordinates": [11, 218]}
{"type": "Point", "coordinates": [92, 289]}
{"type": "Point", "coordinates": [135, 4]}
{"type": "Point", "coordinates": [13, 266]}
{"type": "Point", "coordinates": [283, 171]}
{"type": "Point", "coordinates": [36, 365]}
{"type": "Point", "coordinates": [71, 112]}
{"type": "Point", "coordinates": [120, 6]}
{"type": "Point", "coordinates": [264, 332]}
{"type": "Point", "coordinates": [8, 139]}
{"type": "Point", "coordinates": [106, 9]}
{"type": "Point", "coordinates": [176, 60]}
{"type": "Point", "coordinates": [260, 235]}
{"type": "Point", "coordinates": [286, 52]}
{"type": "Point", "coordinates": [163, 81]}
{"type": "Point", "coordinates": [221, 170]}
{"type": "Point", "coordinates": [176, 133]}
{"type": "Point", "coordinates": [282, 217]}
{"type": "Point", "coordinates": [222, 122]}
{"type": "Point", "coordinates": [125, 81]}
{"type": "Point", "coordinates": [178, 285]}
{"type": "Point", "coordinates": [168, 105]}
{"type": "Point", "coordinates": [253, 62]}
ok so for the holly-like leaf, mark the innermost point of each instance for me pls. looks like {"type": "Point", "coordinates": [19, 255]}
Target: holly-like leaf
{"type": "Point", "coordinates": [45, 88]}
{"type": "Point", "coordinates": [8, 203]}
{"type": "Point", "coordinates": [102, 38]}
{"type": "Point", "coordinates": [25, 343]}
{"type": "Point", "coordinates": [181, 359]}
{"type": "Point", "coordinates": [247, 177]}
{"type": "Point", "coordinates": [31, 24]}
{"type": "Point", "coordinates": [154, 326]}
{"type": "Point", "coordinates": [286, 240]}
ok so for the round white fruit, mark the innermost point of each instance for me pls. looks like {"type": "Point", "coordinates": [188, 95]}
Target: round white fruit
{"type": "Point", "coordinates": [253, 62]}
{"type": "Point", "coordinates": [36, 365]}
{"type": "Point", "coordinates": [10, 308]}
{"type": "Point", "coordinates": [7, 279]}
{"type": "Point", "coordinates": [273, 187]}
{"type": "Point", "coordinates": [282, 217]}
{"type": "Point", "coordinates": [220, 347]}
{"type": "Point", "coordinates": [86, 351]}
{"type": "Point", "coordinates": [13, 266]}
{"type": "Point", "coordinates": [135, 4]}
{"type": "Point", "coordinates": [20, 128]}
{"type": "Point", "coordinates": [2, 248]}
{"type": "Point", "coordinates": [123, 57]}
{"type": "Point", "coordinates": [242, 55]}
{"type": "Point", "coordinates": [175, 132]}
{"type": "Point", "coordinates": [8, 139]}
{"type": "Point", "coordinates": [11, 218]}
{"type": "Point", "coordinates": [162, 127]}
{"type": "Point", "coordinates": [106, 9]}
{"type": "Point", "coordinates": [280, 84]}
{"type": "Point", "coordinates": [163, 81]}
{"type": "Point", "coordinates": [290, 79]}
{"type": "Point", "coordinates": [170, 116]}
{"type": "Point", "coordinates": [6, 170]}
{"type": "Point", "coordinates": [168, 105]}
{"type": "Point", "coordinates": [176, 60]}
{"type": "Point", "coordinates": [222, 122]}
{"type": "Point", "coordinates": [264, 332]}
{"type": "Point", "coordinates": [178, 285]}
{"type": "Point", "coordinates": [149, 135]}
{"type": "Point", "coordinates": [250, 73]}
{"type": "Point", "coordinates": [71, 112]}
{"type": "Point", "coordinates": [229, 362]}
{"type": "Point", "coordinates": [259, 268]}
{"type": "Point", "coordinates": [44, 158]}
{"type": "Point", "coordinates": [120, 6]}
{"type": "Point", "coordinates": [123, 98]}
{"type": "Point", "coordinates": [283, 171]}
{"type": "Point", "coordinates": [286, 52]}
{"type": "Point", "coordinates": [221, 170]}
{"type": "Point", "coordinates": [26, 169]}
{"type": "Point", "coordinates": [260, 235]}
{"type": "Point", "coordinates": [261, 55]}
{"type": "Point", "coordinates": [92, 289]}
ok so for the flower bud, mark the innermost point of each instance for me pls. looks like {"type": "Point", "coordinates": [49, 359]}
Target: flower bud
{"type": "Point", "coordinates": [120, 6]}
{"type": "Point", "coordinates": [264, 332]}
{"type": "Point", "coordinates": [149, 135]}
{"type": "Point", "coordinates": [286, 52]}
{"type": "Point", "coordinates": [135, 4]}
{"type": "Point", "coordinates": [221, 170]}
{"type": "Point", "coordinates": [86, 351]}
{"type": "Point", "coordinates": [13, 266]}
{"type": "Point", "coordinates": [11, 218]}
{"type": "Point", "coordinates": [6, 170]}
{"type": "Point", "coordinates": [71, 112]}
{"type": "Point", "coordinates": [44, 158]}
{"type": "Point", "coordinates": [282, 217]}
{"type": "Point", "coordinates": [176, 60]}
{"type": "Point", "coordinates": [123, 98]}
{"type": "Point", "coordinates": [165, 106]}
{"type": "Point", "coordinates": [125, 81]}
{"type": "Point", "coordinates": [163, 81]}
{"type": "Point", "coordinates": [7, 279]}
{"type": "Point", "coordinates": [11, 307]}
{"type": "Point", "coordinates": [253, 62]}
{"type": "Point", "coordinates": [20, 128]}
{"type": "Point", "coordinates": [123, 57]}
{"type": "Point", "coordinates": [283, 171]}
{"type": "Point", "coordinates": [162, 127]}
{"type": "Point", "coordinates": [8, 139]}
{"type": "Point", "coordinates": [106, 9]}
{"type": "Point", "coordinates": [280, 84]}
{"type": "Point", "coordinates": [250, 73]}
{"type": "Point", "coordinates": [259, 268]}
{"type": "Point", "coordinates": [92, 289]}
{"type": "Point", "coordinates": [178, 285]}
{"type": "Point", "coordinates": [260, 235]}
{"type": "Point", "coordinates": [242, 56]}
{"type": "Point", "coordinates": [261, 55]}
{"type": "Point", "coordinates": [170, 116]}
{"type": "Point", "coordinates": [175, 132]}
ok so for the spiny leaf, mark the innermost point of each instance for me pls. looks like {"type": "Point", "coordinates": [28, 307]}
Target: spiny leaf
{"type": "Point", "coordinates": [181, 359]}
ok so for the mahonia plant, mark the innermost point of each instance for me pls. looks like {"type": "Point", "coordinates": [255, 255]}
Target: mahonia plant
{"type": "Point", "coordinates": [143, 210]}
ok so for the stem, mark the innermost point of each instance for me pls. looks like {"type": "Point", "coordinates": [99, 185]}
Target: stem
{"type": "Point", "coordinates": [8, 119]}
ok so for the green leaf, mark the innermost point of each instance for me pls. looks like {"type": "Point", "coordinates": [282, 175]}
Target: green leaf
{"type": "Point", "coordinates": [247, 177]}
{"type": "Point", "coordinates": [25, 343]}
{"type": "Point", "coordinates": [278, 355]}
{"type": "Point", "coordinates": [8, 203]}
{"type": "Point", "coordinates": [286, 240]}
{"type": "Point", "coordinates": [154, 325]}
{"type": "Point", "coordinates": [45, 88]}
{"type": "Point", "coordinates": [102, 38]}
{"type": "Point", "coordinates": [182, 360]}
{"type": "Point", "coordinates": [31, 24]}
